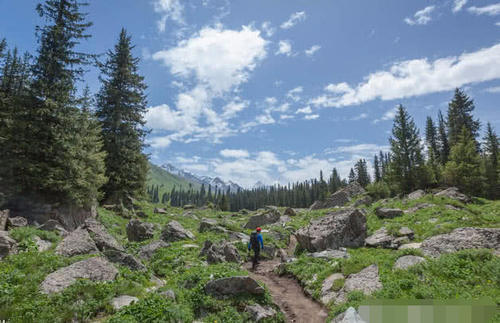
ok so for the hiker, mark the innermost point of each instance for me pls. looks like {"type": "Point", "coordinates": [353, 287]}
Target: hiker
{"type": "Point", "coordinates": [256, 243]}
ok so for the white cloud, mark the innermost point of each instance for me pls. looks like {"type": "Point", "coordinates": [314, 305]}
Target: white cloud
{"type": "Point", "coordinates": [360, 116]}
{"type": "Point", "coordinates": [234, 153]}
{"type": "Point", "coordinates": [294, 94]}
{"type": "Point", "coordinates": [491, 10]}
{"type": "Point", "coordinates": [416, 77]}
{"type": "Point", "coordinates": [497, 24]}
{"type": "Point", "coordinates": [232, 108]}
{"type": "Point", "coordinates": [311, 116]}
{"type": "Point", "coordinates": [169, 9]}
{"type": "Point", "coordinates": [267, 28]}
{"type": "Point", "coordinates": [421, 17]}
{"type": "Point", "coordinates": [285, 48]}
{"type": "Point", "coordinates": [294, 19]}
{"type": "Point", "coordinates": [360, 149]}
{"type": "Point", "coordinates": [458, 5]}
{"type": "Point", "coordinates": [388, 115]}
{"type": "Point", "coordinates": [310, 52]}
{"type": "Point", "coordinates": [265, 119]}
{"type": "Point", "coordinates": [305, 110]}
{"type": "Point", "coordinates": [495, 89]}
{"type": "Point", "coordinates": [286, 116]}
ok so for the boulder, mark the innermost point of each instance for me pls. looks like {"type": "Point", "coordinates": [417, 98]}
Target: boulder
{"type": "Point", "coordinates": [103, 240]}
{"type": "Point", "coordinates": [406, 232]}
{"type": "Point", "coordinates": [211, 225]}
{"type": "Point", "coordinates": [454, 193]}
{"type": "Point", "coordinates": [233, 286]}
{"type": "Point", "coordinates": [238, 236]}
{"type": "Point", "coordinates": [139, 231]}
{"type": "Point", "coordinates": [383, 239]}
{"type": "Point", "coordinates": [346, 228]}
{"type": "Point", "coordinates": [4, 215]}
{"type": "Point", "coordinates": [125, 259]}
{"type": "Point", "coordinates": [365, 200]}
{"type": "Point", "coordinates": [53, 225]}
{"type": "Point", "coordinates": [168, 294]}
{"type": "Point", "coordinates": [188, 207]}
{"type": "Point", "coordinates": [290, 212]}
{"type": "Point", "coordinates": [327, 291]}
{"type": "Point", "coordinates": [259, 313]}
{"type": "Point", "coordinates": [462, 238]}
{"type": "Point", "coordinates": [122, 301]}
{"type": "Point", "coordinates": [159, 211]}
{"type": "Point", "coordinates": [416, 195]}
{"type": "Point", "coordinates": [269, 217]}
{"type": "Point", "coordinates": [330, 254]}
{"type": "Point", "coordinates": [7, 244]}
{"type": "Point", "coordinates": [387, 213]}
{"type": "Point", "coordinates": [42, 245]}
{"type": "Point", "coordinates": [340, 198]}
{"type": "Point", "coordinates": [414, 245]}
{"type": "Point", "coordinates": [147, 251]}
{"type": "Point", "coordinates": [406, 262]}
{"type": "Point", "coordinates": [418, 207]}
{"type": "Point", "coordinates": [77, 242]}
{"type": "Point", "coordinates": [16, 222]}
{"type": "Point", "coordinates": [141, 214]}
{"type": "Point", "coordinates": [349, 316]}
{"type": "Point", "coordinates": [94, 269]}
{"type": "Point", "coordinates": [174, 231]}
{"type": "Point", "coordinates": [366, 281]}
{"type": "Point", "coordinates": [224, 252]}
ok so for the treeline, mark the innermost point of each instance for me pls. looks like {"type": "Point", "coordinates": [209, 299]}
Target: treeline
{"type": "Point", "coordinates": [61, 144]}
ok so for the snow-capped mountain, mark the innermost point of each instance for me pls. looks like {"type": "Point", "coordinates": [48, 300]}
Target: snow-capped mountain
{"type": "Point", "coordinates": [207, 180]}
{"type": "Point", "coordinates": [259, 184]}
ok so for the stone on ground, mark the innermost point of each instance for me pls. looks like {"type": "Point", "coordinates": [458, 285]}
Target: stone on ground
{"type": "Point", "coordinates": [407, 262]}
{"type": "Point", "coordinates": [454, 194]}
{"type": "Point", "coordinates": [418, 207]}
{"type": "Point", "coordinates": [387, 213]}
{"type": "Point", "coordinates": [414, 245]}
{"type": "Point", "coordinates": [168, 294]}
{"type": "Point", "coordinates": [16, 222]}
{"type": "Point", "coordinates": [259, 313]}
{"type": "Point", "coordinates": [125, 259]}
{"type": "Point", "coordinates": [349, 316]}
{"type": "Point", "coordinates": [7, 244]}
{"type": "Point", "coordinates": [147, 251]}
{"type": "Point", "coordinates": [416, 195]}
{"type": "Point", "coordinates": [122, 301]}
{"type": "Point", "coordinates": [331, 254]}
{"type": "Point", "coordinates": [217, 253]}
{"type": "Point", "coordinates": [139, 231]}
{"type": "Point", "coordinates": [54, 225]}
{"type": "Point", "coordinates": [94, 269]}
{"type": "Point", "coordinates": [346, 228]}
{"type": "Point", "coordinates": [174, 231]}
{"type": "Point", "coordinates": [42, 245]}
{"type": "Point", "coordinates": [159, 211]}
{"type": "Point", "coordinates": [103, 240]}
{"type": "Point", "coordinates": [4, 215]}
{"type": "Point", "coordinates": [232, 286]}
{"type": "Point", "coordinates": [327, 294]}
{"type": "Point", "coordinates": [77, 242]}
{"type": "Point", "coordinates": [269, 217]}
{"type": "Point", "coordinates": [340, 198]}
{"type": "Point", "coordinates": [366, 281]}
{"type": "Point", "coordinates": [380, 238]}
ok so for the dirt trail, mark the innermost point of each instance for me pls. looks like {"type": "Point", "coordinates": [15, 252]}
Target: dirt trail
{"type": "Point", "coordinates": [288, 294]}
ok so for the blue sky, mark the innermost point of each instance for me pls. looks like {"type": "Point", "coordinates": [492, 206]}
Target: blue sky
{"type": "Point", "coordinates": [275, 91]}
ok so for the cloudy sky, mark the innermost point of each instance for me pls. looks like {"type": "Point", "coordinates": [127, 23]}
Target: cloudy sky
{"type": "Point", "coordinates": [275, 91]}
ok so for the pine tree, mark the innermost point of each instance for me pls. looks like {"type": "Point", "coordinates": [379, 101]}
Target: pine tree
{"type": "Point", "coordinates": [433, 157]}
{"type": "Point", "coordinates": [361, 173]}
{"type": "Point", "coordinates": [352, 176]}
{"type": "Point", "coordinates": [463, 170]}
{"type": "Point", "coordinates": [492, 163]}
{"type": "Point", "coordinates": [460, 115]}
{"type": "Point", "coordinates": [121, 107]}
{"type": "Point", "coordinates": [444, 146]}
{"type": "Point", "coordinates": [376, 169]}
{"type": "Point", "coordinates": [323, 187]}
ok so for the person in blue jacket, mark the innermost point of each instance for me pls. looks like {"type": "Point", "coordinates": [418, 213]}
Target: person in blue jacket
{"type": "Point", "coordinates": [256, 243]}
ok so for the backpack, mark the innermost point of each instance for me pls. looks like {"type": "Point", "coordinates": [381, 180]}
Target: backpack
{"type": "Point", "coordinates": [254, 241]}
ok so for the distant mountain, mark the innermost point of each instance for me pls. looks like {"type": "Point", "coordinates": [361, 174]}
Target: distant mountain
{"type": "Point", "coordinates": [259, 184]}
{"type": "Point", "coordinates": [167, 180]}
{"type": "Point", "coordinates": [199, 180]}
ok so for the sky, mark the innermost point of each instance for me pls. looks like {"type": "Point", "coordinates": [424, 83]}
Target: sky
{"type": "Point", "coordinates": [275, 91]}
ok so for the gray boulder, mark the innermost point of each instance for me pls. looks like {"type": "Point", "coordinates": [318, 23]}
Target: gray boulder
{"type": "Point", "coordinates": [94, 269]}
{"type": "Point", "coordinates": [365, 200]}
{"type": "Point", "coordinates": [454, 193]}
{"type": "Point", "coordinates": [406, 232]}
{"type": "Point", "coordinates": [168, 294]}
{"type": "Point", "coordinates": [139, 231]}
{"type": "Point", "coordinates": [346, 228]}
{"type": "Point", "coordinates": [125, 259]}
{"type": "Point", "coordinates": [42, 245]}
{"type": "Point", "coordinates": [416, 195]}
{"type": "Point", "coordinates": [269, 217]}
{"type": "Point", "coordinates": [147, 251]}
{"type": "Point", "coordinates": [366, 281]}
{"type": "Point", "coordinates": [238, 236]}
{"type": "Point", "coordinates": [259, 313]}
{"type": "Point", "coordinates": [232, 286]}
{"type": "Point", "coordinates": [77, 242]}
{"type": "Point", "coordinates": [414, 245]}
{"type": "Point", "coordinates": [7, 244]}
{"type": "Point", "coordinates": [418, 207]}
{"type": "Point", "coordinates": [386, 213]}
{"type": "Point", "coordinates": [159, 211]}
{"type": "Point", "coordinates": [211, 225]}
{"type": "Point", "coordinates": [330, 254]}
{"type": "Point", "coordinates": [462, 238]}
{"type": "Point", "coordinates": [328, 293]}
{"type": "Point", "coordinates": [122, 301]}
{"type": "Point", "coordinates": [16, 222]}
{"type": "Point", "coordinates": [383, 239]}
{"type": "Point", "coordinates": [4, 215]}
{"type": "Point", "coordinates": [340, 198]}
{"type": "Point", "coordinates": [406, 262]}
{"type": "Point", "coordinates": [224, 252]}
{"type": "Point", "coordinates": [290, 212]}
{"type": "Point", "coordinates": [53, 225]}
{"type": "Point", "coordinates": [349, 316]}
{"type": "Point", "coordinates": [103, 240]}
{"type": "Point", "coordinates": [174, 231]}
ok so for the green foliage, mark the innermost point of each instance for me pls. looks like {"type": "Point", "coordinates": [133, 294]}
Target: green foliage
{"type": "Point", "coordinates": [379, 190]}
{"type": "Point", "coordinates": [24, 237]}
{"type": "Point", "coordinates": [459, 116]}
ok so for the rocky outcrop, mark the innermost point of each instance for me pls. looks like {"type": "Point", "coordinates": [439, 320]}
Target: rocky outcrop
{"type": "Point", "coordinates": [406, 262]}
{"type": "Point", "coordinates": [4, 215]}
{"type": "Point", "coordinates": [340, 198]}
{"type": "Point", "coordinates": [139, 231]}
{"type": "Point", "coordinates": [77, 242]}
{"type": "Point", "coordinates": [416, 195]}
{"type": "Point", "coordinates": [224, 252]}
{"type": "Point", "coordinates": [454, 193]}
{"type": "Point", "coordinates": [122, 301]}
{"type": "Point", "coordinates": [259, 313]}
{"type": "Point", "coordinates": [289, 212]}
{"type": "Point", "coordinates": [16, 222]}
{"type": "Point", "coordinates": [419, 207]}
{"type": "Point", "coordinates": [346, 228]}
{"type": "Point", "coordinates": [331, 254]}
{"type": "Point", "coordinates": [414, 245]}
{"type": "Point", "coordinates": [53, 225]}
{"type": "Point", "coordinates": [462, 238]}
{"type": "Point", "coordinates": [174, 231]}
{"type": "Point", "coordinates": [125, 259]}
{"type": "Point", "coordinates": [103, 240]}
{"type": "Point", "coordinates": [328, 289]}
{"type": "Point", "coordinates": [383, 239]}
{"type": "Point", "coordinates": [94, 269]}
{"type": "Point", "coordinates": [147, 251]}
{"type": "Point", "coordinates": [365, 200]}
{"type": "Point", "coordinates": [211, 225]}
{"type": "Point", "coordinates": [387, 213]}
{"type": "Point", "coordinates": [238, 236]}
{"type": "Point", "coordinates": [233, 286]}
{"type": "Point", "coordinates": [269, 217]}
{"type": "Point", "coordinates": [349, 316]}
{"type": "Point", "coordinates": [42, 245]}
{"type": "Point", "coordinates": [7, 244]}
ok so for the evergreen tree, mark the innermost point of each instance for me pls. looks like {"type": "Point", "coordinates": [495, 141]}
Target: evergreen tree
{"type": "Point", "coordinates": [121, 107]}
{"type": "Point", "coordinates": [460, 115]}
{"type": "Point", "coordinates": [323, 187]}
{"type": "Point", "coordinates": [361, 171]}
{"type": "Point", "coordinates": [352, 176]}
{"type": "Point", "coordinates": [444, 146]}
{"type": "Point", "coordinates": [463, 170]}
{"type": "Point", "coordinates": [376, 169]}
{"type": "Point", "coordinates": [433, 157]}
{"type": "Point", "coordinates": [492, 163]}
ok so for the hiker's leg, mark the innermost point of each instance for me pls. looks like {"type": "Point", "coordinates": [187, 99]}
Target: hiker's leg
{"type": "Point", "coordinates": [254, 259]}
{"type": "Point", "coordinates": [257, 254]}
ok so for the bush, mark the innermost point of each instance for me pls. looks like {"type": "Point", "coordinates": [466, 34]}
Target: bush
{"type": "Point", "coordinates": [379, 190]}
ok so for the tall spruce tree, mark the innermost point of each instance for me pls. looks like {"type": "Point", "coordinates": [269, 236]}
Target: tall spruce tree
{"type": "Point", "coordinates": [491, 163]}
{"type": "Point", "coordinates": [431, 141]}
{"type": "Point", "coordinates": [361, 171]}
{"type": "Point", "coordinates": [376, 169]}
{"type": "Point", "coordinates": [444, 146]}
{"type": "Point", "coordinates": [121, 106]}
{"type": "Point", "coordinates": [352, 176]}
{"type": "Point", "coordinates": [460, 115]}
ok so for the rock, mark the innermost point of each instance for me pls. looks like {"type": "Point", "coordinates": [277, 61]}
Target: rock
{"type": "Point", "coordinates": [4, 215]}
{"type": "Point", "coordinates": [53, 225]}
{"type": "Point", "coordinates": [103, 240]}
{"type": "Point", "coordinates": [232, 286]}
{"type": "Point", "coordinates": [259, 313]}
{"type": "Point", "coordinates": [211, 225]}
{"type": "Point", "coordinates": [17, 222]}
{"type": "Point", "coordinates": [416, 195]}
{"type": "Point", "coordinates": [139, 231]}
{"type": "Point", "coordinates": [330, 254]}
{"type": "Point", "coordinates": [365, 200]}
{"type": "Point", "coordinates": [147, 251]}
{"type": "Point", "coordinates": [349, 316]}
{"type": "Point", "coordinates": [433, 220]}
{"type": "Point", "coordinates": [94, 269]}
{"type": "Point", "coordinates": [418, 207]}
{"type": "Point", "coordinates": [188, 207]}
{"type": "Point", "coordinates": [407, 262]}
{"type": "Point", "coordinates": [168, 294]}
{"type": "Point", "coordinates": [270, 217]}
{"type": "Point", "coordinates": [340, 198]}
{"type": "Point", "coordinates": [346, 228]}
{"type": "Point", "coordinates": [7, 244]}
{"type": "Point", "coordinates": [268, 252]}
{"type": "Point", "coordinates": [327, 294]}
{"type": "Point", "coordinates": [122, 301]}
{"type": "Point", "coordinates": [42, 245]}
{"type": "Point", "coordinates": [380, 238]}
{"type": "Point", "coordinates": [454, 193]}
{"type": "Point", "coordinates": [190, 246]}
{"type": "Point", "coordinates": [452, 207]}
{"type": "Point", "coordinates": [290, 212]}
{"type": "Point", "coordinates": [284, 219]}
{"type": "Point", "coordinates": [125, 259]}
{"type": "Point", "coordinates": [173, 231]}
{"type": "Point", "coordinates": [239, 236]}
{"type": "Point", "coordinates": [367, 281]}
{"type": "Point", "coordinates": [224, 252]}
{"type": "Point", "coordinates": [462, 238]}
{"type": "Point", "coordinates": [141, 214]}
{"type": "Point", "coordinates": [414, 245]}
{"type": "Point", "coordinates": [406, 232]}
{"type": "Point", "coordinates": [159, 211]}
{"type": "Point", "coordinates": [77, 242]}
{"type": "Point", "coordinates": [386, 213]}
